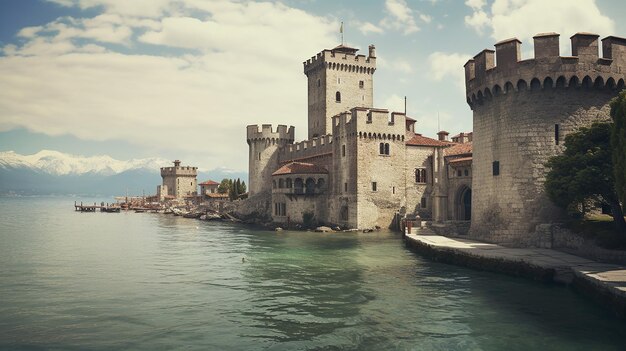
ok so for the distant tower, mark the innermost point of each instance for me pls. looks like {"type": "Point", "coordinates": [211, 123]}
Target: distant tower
{"type": "Point", "coordinates": [338, 80]}
{"type": "Point", "coordinates": [263, 154]}
{"type": "Point", "coordinates": [179, 181]}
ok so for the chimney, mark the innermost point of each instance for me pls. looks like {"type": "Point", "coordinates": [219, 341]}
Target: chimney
{"type": "Point", "coordinates": [177, 163]}
{"type": "Point", "coordinates": [443, 135]}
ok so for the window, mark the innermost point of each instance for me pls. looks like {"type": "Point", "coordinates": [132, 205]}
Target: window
{"type": "Point", "coordinates": [423, 202]}
{"type": "Point", "coordinates": [259, 156]}
{"type": "Point", "coordinates": [496, 168]}
{"type": "Point", "coordinates": [288, 183]}
{"type": "Point", "coordinates": [374, 186]}
{"type": "Point", "coordinates": [420, 175]}
{"type": "Point", "coordinates": [345, 187]}
{"type": "Point", "coordinates": [369, 117]}
{"type": "Point", "coordinates": [344, 213]}
{"type": "Point", "coordinates": [361, 84]}
{"type": "Point", "coordinates": [280, 209]}
{"type": "Point", "coordinates": [319, 82]}
{"type": "Point", "coordinates": [338, 97]}
{"type": "Point", "coordinates": [343, 150]}
{"type": "Point", "coordinates": [393, 190]}
{"type": "Point", "coordinates": [556, 134]}
{"type": "Point", "coordinates": [281, 183]}
{"type": "Point", "coordinates": [383, 148]}
{"type": "Point", "coordinates": [338, 80]}
{"type": "Point", "coordinates": [466, 173]}
{"type": "Point", "coordinates": [191, 183]}
{"type": "Point", "coordinates": [459, 173]}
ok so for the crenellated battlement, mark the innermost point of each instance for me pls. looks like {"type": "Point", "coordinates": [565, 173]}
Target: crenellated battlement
{"type": "Point", "coordinates": [370, 123]}
{"type": "Point", "coordinates": [179, 171]}
{"type": "Point", "coordinates": [499, 71]}
{"type": "Point", "coordinates": [306, 148]}
{"type": "Point", "coordinates": [343, 60]}
{"type": "Point", "coordinates": [266, 133]}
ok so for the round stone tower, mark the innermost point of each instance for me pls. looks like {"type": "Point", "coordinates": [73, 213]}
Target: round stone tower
{"type": "Point", "coordinates": [263, 154]}
{"type": "Point", "coordinates": [522, 111]}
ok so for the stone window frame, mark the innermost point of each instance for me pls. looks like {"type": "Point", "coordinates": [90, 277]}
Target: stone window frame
{"type": "Point", "coordinates": [421, 175]}
{"type": "Point", "coordinates": [383, 149]}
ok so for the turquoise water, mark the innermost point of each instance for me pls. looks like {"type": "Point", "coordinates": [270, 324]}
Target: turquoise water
{"type": "Point", "coordinates": [98, 281]}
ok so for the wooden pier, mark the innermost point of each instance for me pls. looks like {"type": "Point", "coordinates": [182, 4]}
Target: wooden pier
{"type": "Point", "coordinates": [93, 208]}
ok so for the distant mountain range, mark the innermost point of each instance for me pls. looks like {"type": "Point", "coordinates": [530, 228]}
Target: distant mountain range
{"type": "Point", "coordinates": [55, 173]}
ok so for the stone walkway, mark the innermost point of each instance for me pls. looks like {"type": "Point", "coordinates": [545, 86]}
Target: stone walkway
{"type": "Point", "coordinates": [605, 282]}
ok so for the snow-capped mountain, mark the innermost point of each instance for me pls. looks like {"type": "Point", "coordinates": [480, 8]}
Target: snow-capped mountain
{"type": "Point", "coordinates": [53, 172]}
{"type": "Point", "coordinates": [58, 163]}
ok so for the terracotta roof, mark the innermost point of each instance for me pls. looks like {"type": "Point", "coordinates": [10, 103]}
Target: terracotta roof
{"type": "Point", "coordinates": [300, 168]}
{"type": "Point", "coordinates": [209, 182]}
{"type": "Point", "coordinates": [464, 134]}
{"type": "Point", "coordinates": [459, 149]}
{"type": "Point", "coordinates": [344, 48]}
{"type": "Point", "coordinates": [462, 159]}
{"type": "Point", "coordinates": [419, 140]}
{"type": "Point", "coordinates": [409, 119]}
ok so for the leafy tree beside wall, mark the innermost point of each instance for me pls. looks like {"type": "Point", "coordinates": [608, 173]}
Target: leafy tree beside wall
{"type": "Point", "coordinates": [585, 171]}
{"type": "Point", "coordinates": [618, 143]}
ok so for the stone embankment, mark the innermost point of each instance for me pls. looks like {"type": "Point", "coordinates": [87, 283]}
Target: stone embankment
{"type": "Point", "coordinates": [605, 283]}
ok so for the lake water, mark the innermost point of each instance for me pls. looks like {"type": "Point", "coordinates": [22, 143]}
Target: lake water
{"type": "Point", "coordinates": [99, 281]}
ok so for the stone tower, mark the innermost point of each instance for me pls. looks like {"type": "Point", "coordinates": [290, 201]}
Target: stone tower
{"type": "Point", "coordinates": [263, 154]}
{"type": "Point", "coordinates": [522, 111]}
{"type": "Point", "coordinates": [338, 80]}
{"type": "Point", "coordinates": [179, 181]}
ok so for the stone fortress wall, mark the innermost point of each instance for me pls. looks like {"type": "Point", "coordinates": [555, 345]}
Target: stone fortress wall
{"type": "Point", "coordinates": [522, 111]}
{"type": "Point", "coordinates": [264, 144]}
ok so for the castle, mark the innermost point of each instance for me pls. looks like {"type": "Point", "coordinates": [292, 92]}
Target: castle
{"type": "Point", "coordinates": [178, 182]}
{"type": "Point", "coordinates": [363, 167]}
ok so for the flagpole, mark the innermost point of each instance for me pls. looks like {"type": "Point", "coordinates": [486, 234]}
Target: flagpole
{"type": "Point", "coordinates": [341, 30]}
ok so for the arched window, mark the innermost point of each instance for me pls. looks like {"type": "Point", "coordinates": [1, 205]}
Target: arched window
{"type": "Point", "coordinates": [420, 175]}
{"type": "Point", "coordinates": [338, 96]}
{"type": "Point", "coordinates": [288, 183]}
{"type": "Point", "coordinates": [281, 183]}
{"type": "Point", "coordinates": [383, 148]}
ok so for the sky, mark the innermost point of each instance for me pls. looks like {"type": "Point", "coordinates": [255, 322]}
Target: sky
{"type": "Point", "coordinates": [181, 79]}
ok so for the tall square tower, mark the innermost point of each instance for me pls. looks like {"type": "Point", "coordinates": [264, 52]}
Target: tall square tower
{"type": "Point", "coordinates": [338, 80]}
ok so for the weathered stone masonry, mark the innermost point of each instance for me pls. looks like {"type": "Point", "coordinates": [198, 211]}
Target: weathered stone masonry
{"type": "Point", "coordinates": [522, 111]}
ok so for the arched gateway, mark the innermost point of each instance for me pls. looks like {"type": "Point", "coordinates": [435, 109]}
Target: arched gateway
{"type": "Point", "coordinates": [463, 204]}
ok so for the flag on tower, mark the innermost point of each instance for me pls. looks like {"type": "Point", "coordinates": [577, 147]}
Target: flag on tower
{"type": "Point", "coordinates": [341, 28]}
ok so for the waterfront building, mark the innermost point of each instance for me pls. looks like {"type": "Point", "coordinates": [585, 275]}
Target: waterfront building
{"type": "Point", "coordinates": [178, 181]}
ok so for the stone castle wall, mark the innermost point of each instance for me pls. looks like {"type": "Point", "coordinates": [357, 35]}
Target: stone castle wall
{"type": "Point", "coordinates": [522, 111]}
{"type": "Point", "coordinates": [264, 145]}
{"type": "Point", "coordinates": [419, 157]}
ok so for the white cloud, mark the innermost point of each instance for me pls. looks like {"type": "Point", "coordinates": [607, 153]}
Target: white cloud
{"type": "Point", "coordinates": [448, 66]}
{"type": "Point", "coordinates": [394, 103]}
{"type": "Point", "coordinates": [525, 18]}
{"type": "Point", "coordinates": [426, 18]}
{"type": "Point", "coordinates": [240, 66]}
{"type": "Point", "coordinates": [399, 17]}
{"type": "Point", "coordinates": [367, 27]}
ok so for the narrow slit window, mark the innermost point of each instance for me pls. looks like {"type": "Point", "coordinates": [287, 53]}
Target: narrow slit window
{"type": "Point", "coordinates": [496, 168]}
{"type": "Point", "coordinates": [338, 97]}
{"type": "Point", "coordinates": [556, 134]}
{"type": "Point", "coordinates": [374, 185]}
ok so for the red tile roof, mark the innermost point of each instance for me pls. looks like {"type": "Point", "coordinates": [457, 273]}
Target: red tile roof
{"type": "Point", "coordinates": [419, 140]}
{"type": "Point", "coordinates": [300, 168]}
{"type": "Point", "coordinates": [209, 182]}
{"type": "Point", "coordinates": [459, 149]}
{"type": "Point", "coordinates": [462, 159]}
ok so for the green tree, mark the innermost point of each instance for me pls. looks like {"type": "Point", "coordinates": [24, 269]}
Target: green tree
{"type": "Point", "coordinates": [223, 188]}
{"type": "Point", "coordinates": [585, 171]}
{"type": "Point", "coordinates": [618, 143]}
{"type": "Point", "coordinates": [243, 188]}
